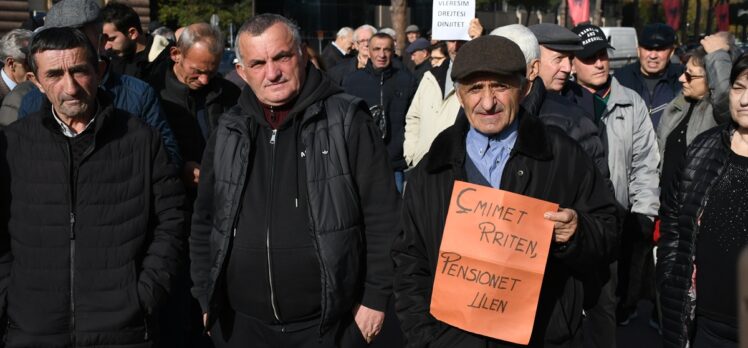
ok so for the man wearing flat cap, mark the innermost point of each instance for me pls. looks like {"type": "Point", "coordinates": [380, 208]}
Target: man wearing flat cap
{"type": "Point", "coordinates": [654, 77]}
{"type": "Point", "coordinates": [496, 143]}
{"type": "Point", "coordinates": [557, 47]}
{"type": "Point", "coordinates": [631, 148]}
{"type": "Point", "coordinates": [420, 53]}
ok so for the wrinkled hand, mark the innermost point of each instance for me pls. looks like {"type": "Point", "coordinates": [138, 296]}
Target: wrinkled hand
{"type": "Point", "coordinates": [565, 225]}
{"type": "Point", "coordinates": [191, 173]}
{"type": "Point", "coordinates": [476, 29]}
{"type": "Point", "coordinates": [718, 41]}
{"type": "Point", "coordinates": [369, 321]}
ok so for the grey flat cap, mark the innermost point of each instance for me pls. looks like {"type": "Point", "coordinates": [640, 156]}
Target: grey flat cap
{"type": "Point", "coordinates": [72, 14]}
{"type": "Point", "coordinates": [412, 29]}
{"type": "Point", "coordinates": [556, 37]}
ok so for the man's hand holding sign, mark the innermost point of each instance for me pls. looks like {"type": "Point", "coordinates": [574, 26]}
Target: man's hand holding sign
{"type": "Point", "coordinates": [565, 224]}
{"type": "Point", "coordinates": [492, 259]}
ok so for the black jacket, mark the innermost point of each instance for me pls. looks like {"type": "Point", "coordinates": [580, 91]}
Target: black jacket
{"type": "Point", "coordinates": [555, 110]}
{"type": "Point", "coordinates": [331, 56]}
{"type": "Point", "coordinates": [344, 68]}
{"type": "Point", "coordinates": [88, 253]}
{"type": "Point", "coordinates": [180, 103]}
{"type": "Point", "coordinates": [139, 66]}
{"type": "Point", "coordinates": [339, 171]}
{"type": "Point", "coordinates": [393, 88]}
{"type": "Point", "coordinates": [679, 213]}
{"type": "Point", "coordinates": [544, 164]}
{"type": "Point", "coordinates": [666, 90]}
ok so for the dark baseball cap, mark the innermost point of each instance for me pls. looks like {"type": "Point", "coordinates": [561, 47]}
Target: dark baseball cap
{"type": "Point", "coordinates": [657, 35]}
{"type": "Point", "coordinates": [593, 40]}
{"type": "Point", "coordinates": [556, 37]}
{"type": "Point", "coordinates": [488, 54]}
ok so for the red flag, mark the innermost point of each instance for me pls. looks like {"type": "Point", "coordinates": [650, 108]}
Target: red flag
{"type": "Point", "coordinates": [579, 11]}
{"type": "Point", "coordinates": [722, 11]}
{"type": "Point", "coordinates": [672, 13]}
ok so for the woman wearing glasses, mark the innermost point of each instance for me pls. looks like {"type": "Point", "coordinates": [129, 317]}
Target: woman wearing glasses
{"type": "Point", "coordinates": [702, 104]}
{"type": "Point", "coordinates": [704, 219]}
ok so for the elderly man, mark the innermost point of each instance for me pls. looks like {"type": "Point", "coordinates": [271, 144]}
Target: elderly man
{"type": "Point", "coordinates": [13, 47]}
{"type": "Point", "coordinates": [633, 157]}
{"type": "Point", "coordinates": [132, 51]}
{"type": "Point", "coordinates": [129, 93]}
{"type": "Point", "coordinates": [361, 37]}
{"type": "Point", "coordinates": [388, 91]}
{"type": "Point", "coordinates": [497, 144]}
{"type": "Point", "coordinates": [420, 54]}
{"type": "Point", "coordinates": [339, 49]}
{"type": "Point", "coordinates": [557, 47]}
{"type": "Point", "coordinates": [94, 231]}
{"type": "Point", "coordinates": [193, 95]}
{"type": "Point", "coordinates": [654, 77]}
{"type": "Point", "coordinates": [295, 190]}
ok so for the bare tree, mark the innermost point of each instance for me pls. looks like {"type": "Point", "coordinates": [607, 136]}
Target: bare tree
{"type": "Point", "coordinates": [397, 11]}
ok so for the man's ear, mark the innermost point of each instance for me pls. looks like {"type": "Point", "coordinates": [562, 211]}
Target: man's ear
{"type": "Point", "coordinates": [459, 96]}
{"type": "Point", "coordinates": [35, 81]}
{"type": "Point", "coordinates": [533, 70]}
{"type": "Point", "coordinates": [9, 62]}
{"type": "Point", "coordinates": [175, 54]}
{"type": "Point", "coordinates": [132, 34]}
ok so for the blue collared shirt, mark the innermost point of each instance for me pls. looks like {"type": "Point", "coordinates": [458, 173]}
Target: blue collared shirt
{"type": "Point", "coordinates": [490, 154]}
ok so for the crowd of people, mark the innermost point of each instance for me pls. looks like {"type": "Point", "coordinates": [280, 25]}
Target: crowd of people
{"type": "Point", "coordinates": [300, 201]}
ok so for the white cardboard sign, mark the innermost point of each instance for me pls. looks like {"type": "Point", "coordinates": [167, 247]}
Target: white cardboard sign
{"type": "Point", "coordinates": [451, 19]}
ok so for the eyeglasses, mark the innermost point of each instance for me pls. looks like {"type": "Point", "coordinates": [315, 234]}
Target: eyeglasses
{"type": "Point", "coordinates": [690, 77]}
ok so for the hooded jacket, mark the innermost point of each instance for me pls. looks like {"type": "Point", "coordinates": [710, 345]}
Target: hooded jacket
{"type": "Point", "coordinates": [544, 164]}
{"type": "Point", "coordinates": [322, 175]}
{"type": "Point", "coordinates": [91, 239]}
{"type": "Point", "coordinates": [392, 88]}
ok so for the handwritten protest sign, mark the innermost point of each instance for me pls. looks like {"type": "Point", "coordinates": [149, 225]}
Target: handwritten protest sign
{"type": "Point", "coordinates": [491, 262]}
{"type": "Point", "coordinates": [451, 19]}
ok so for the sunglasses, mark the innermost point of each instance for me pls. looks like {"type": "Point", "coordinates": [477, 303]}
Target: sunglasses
{"type": "Point", "coordinates": [690, 77]}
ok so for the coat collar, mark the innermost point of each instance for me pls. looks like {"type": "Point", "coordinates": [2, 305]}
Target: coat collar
{"type": "Point", "coordinates": [449, 149]}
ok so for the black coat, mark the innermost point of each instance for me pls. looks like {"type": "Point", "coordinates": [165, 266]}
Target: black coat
{"type": "Point", "coordinates": [87, 256]}
{"type": "Point", "coordinates": [335, 164]}
{"type": "Point", "coordinates": [544, 164]}
{"type": "Point", "coordinates": [179, 106]}
{"type": "Point", "coordinates": [555, 110]}
{"type": "Point", "coordinates": [679, 213]}
{"type": "Point", "coordinates": [393, 88]}
{"type": "Point", "coordinates": [331, 56]}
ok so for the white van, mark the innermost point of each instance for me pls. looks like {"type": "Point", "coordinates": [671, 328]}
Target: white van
{"type": "Point", "coordinates": [623, 39]}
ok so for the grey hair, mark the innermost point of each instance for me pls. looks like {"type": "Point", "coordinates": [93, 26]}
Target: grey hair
{"type": "Point", "coordinates": [344, 31]}
{"type": "Point", "coordinates": [14, 44]}
{"type": "Point", "coordinates": [204, 33]}
{"type": "Point", "coordinates": [389, 31]}
{"type": "Point", "coordinates": [523, 37]}
{"type": "Point", "coordinates": [364, 27]}
{"type": "Point", "coordinates": [258, 24]}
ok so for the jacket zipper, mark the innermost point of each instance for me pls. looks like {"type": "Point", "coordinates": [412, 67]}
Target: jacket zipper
{"type": "Point", "coordinates": [267, 225]}
{"type": "Point", "coordinates": [72, 180]}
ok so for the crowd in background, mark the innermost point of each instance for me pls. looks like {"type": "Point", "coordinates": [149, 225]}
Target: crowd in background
{"type": "Point", "coordinates": [299, 199]}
